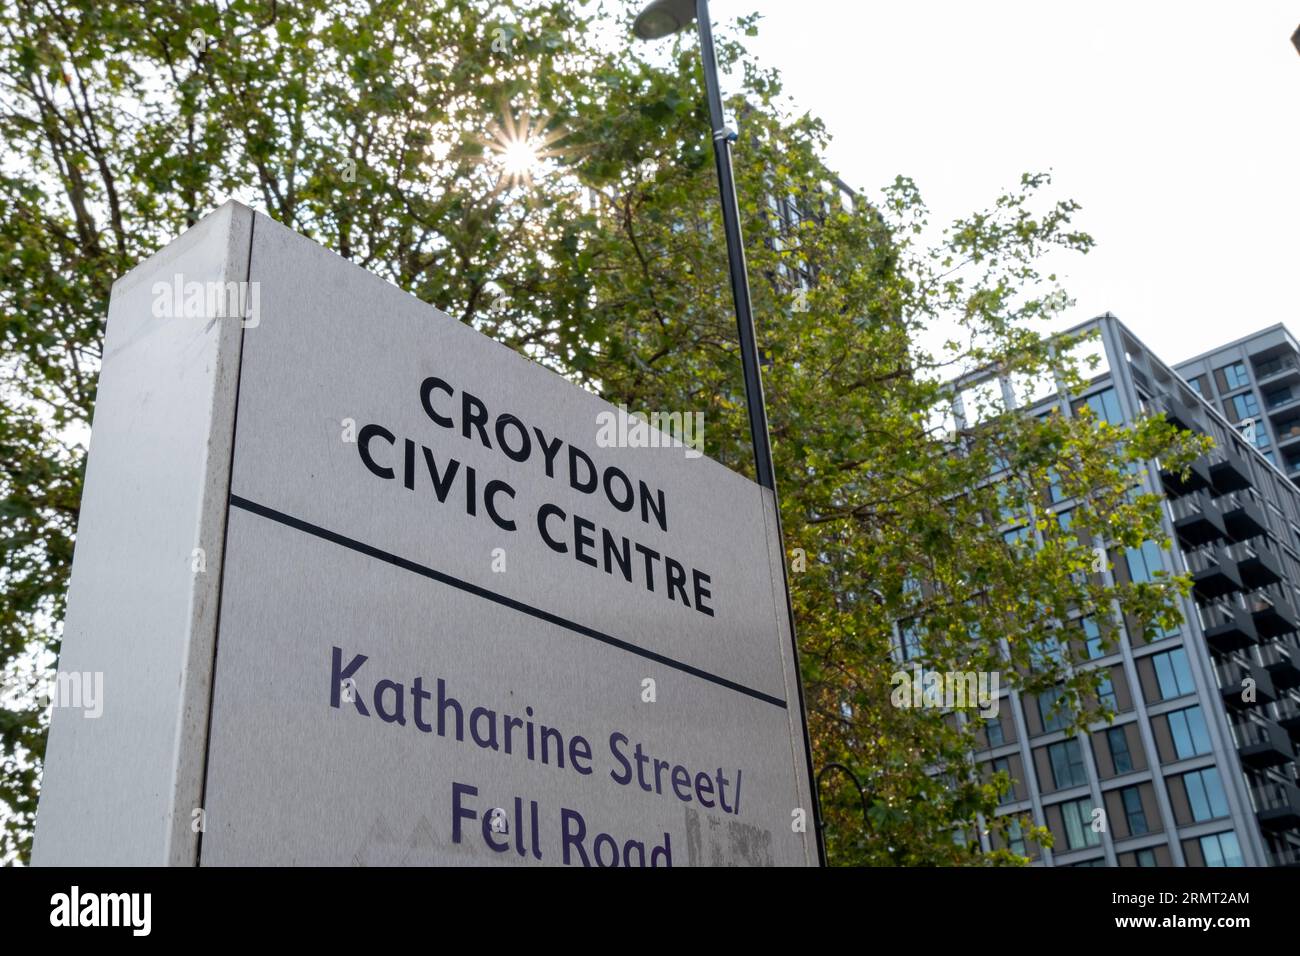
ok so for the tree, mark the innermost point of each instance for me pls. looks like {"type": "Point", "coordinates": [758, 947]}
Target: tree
{"type": "Point", "coordinates": [888, 518]}
{"type": "Point", "coordinates": [391, 133]}
{"type": "Point", "coordinates": [360, 124]}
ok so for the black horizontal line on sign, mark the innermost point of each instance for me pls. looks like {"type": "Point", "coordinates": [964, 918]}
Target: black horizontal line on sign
{"type": "Point", "coordinates": [370, 551]}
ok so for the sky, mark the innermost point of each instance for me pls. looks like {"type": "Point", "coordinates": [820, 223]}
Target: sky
{"type": "Point", "coordinates": [1176, 126]}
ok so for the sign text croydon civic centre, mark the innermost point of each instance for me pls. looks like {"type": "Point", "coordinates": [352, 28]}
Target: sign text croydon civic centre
{"type": "Point", "coordinates": [439, 622]}
{"type": "Point", "coordinates": [574, 535]}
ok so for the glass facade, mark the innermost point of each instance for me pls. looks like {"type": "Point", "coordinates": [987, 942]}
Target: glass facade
{"type": "Point", "coordinates": [1105, 406]}
{"type": "Point", "coordinates": [1066, 760]}
{"type": "Point", "coordinates": [1205, 794]}
{"type": "Point", "coordinates": [1134, 814]}
{"type": "Point", "coordinates": [1187, 727]}
{"type": "Point", "coordinates": [1173, 674]}
{"type": "Point", "coordinates": [1182, 727]}
{"type": "Point", "coordinates": [1234, 376]}
{"type": "Point", "coordinates": [1221, 849]}
{"type": "Point", "coordinates": [1120, 757]}
{"type": "Point", "coordinates": [1078, 817]}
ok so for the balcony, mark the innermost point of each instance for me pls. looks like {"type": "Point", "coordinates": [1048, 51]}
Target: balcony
{"type": "Point", "coordinates": [1273, 611]}
{"type": "Point", "coordinates": [1229, 471]}
{"type": "Point", "coordinates": [1179, 413]}
{"type": "Point", "coordinates": [1214, 573]}
{"type": "Point", "coordinates": [1288, 432]}
{"type": "Point", "coordinates": [1232, 684]}
{"type": "Point", "coordinates": [1282, 405]}
{"type": "Point", "coordinates": [1277, 370]}
{"type": "Point", "coordinates": [1288, 715]}
{"type": "Point", "coordinates": [1197, 479]}
{"type": "Point", "coordinates": [1197, 519]}
{"type": "Point", "coordinates": [1227, 625]}
{"type": "Point", "coordinates": [1258, 562]}
{"type": "Point", "coordinates": [1263, 744]}
{"type": "Point", "coordinates": [1243, 516]}
{"type": "Point", "coordinates": [1282, 666]}
{"type": "Point", "coordinates": [1278, 806]}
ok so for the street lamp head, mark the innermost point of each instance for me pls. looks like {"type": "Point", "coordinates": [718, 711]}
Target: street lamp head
{"type": "Point", "coordinates": [662, 18]}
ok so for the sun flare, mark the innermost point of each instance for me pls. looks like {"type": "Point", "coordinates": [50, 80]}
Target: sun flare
{"type": "Point", "coordinates": [521, 147]}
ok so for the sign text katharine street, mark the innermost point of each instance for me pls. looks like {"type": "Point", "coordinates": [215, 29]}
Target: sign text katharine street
{"type": "Point", "coordinates": [432, 709]}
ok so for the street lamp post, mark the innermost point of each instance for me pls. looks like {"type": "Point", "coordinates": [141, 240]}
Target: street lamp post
{"type": "Point", "coordinates": [659, 19]}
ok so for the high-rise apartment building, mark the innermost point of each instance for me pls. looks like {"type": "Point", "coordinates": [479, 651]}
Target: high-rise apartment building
{"type": "Point", "coordinates": [1199, 767]}
{"type": "Point", "coordinates": [1255, 383]}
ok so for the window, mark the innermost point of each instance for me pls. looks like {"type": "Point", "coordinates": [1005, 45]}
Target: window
{"type": "Point", "coordinates": [1205, 794]}
{"type": "Point", "coordinates": [1053, 718]}
{"type": "Point", "coordinates": [910, 640]}
{"type": "Point", "coordinates": [1173, 674]}
{"type": "Point", "coordinates": [1055, 489]}
{"type": "Point", "coordinates": [993, 728]}
{"type": "Point", "coordinates": [1106, 694]}
{"type": "Point", "coordinates": [1117, 741]}
{"type": "Point", "coordinates": [1159, 633]}
{"type": "Point", "coordinates": [1066, 759]}
{"type": "Point", "coordinates": [1003, 765]}
{"type": "Point", "coordinates": [1131, 798]}
{"type": "Point", "coordinates": [1016, 838]}
{"type": "Point", "coordinates": [1047, 653]}
{"type": "Point", "coordinates": [790, 209]}
{"type": "Point", "coordinates": [1077, 815]}
{"type": "Point", "coordinates": [1235, 375]}
{"type": "Point", "coordinates": [1187, 728]}
{"type": "Point", "coordinates": [1196, 385]}
{"type": "Point", "coordinates": [1092, 634]}
{"type": "Point", "coordinates": [1017, 536]}
{"type": "Point", "coordinates": [1221, 849]}
{"type": "Point", "coordinates": [1105, 406]}
{"type": "Point", "coordinates": [1146, 857]}
{"type": "Point", "coordinates": [1245, 406]}
{"type": "Point", "coordinates": [1144, 562]}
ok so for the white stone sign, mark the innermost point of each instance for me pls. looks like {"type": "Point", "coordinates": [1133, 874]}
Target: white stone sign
{"type": "Point", "coordinates": [367, 588]}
